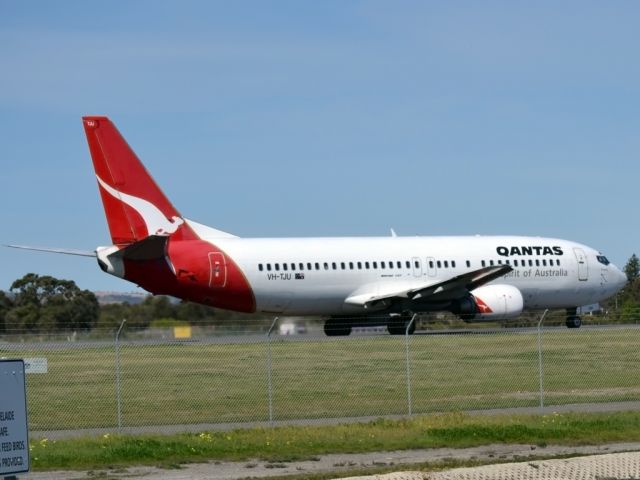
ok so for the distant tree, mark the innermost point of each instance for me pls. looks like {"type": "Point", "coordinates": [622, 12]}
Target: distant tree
{"type": "Point", "coordinates": [632, 268]}
{"type": "Point", "coordinates": [138, 316]}
{"type": "Point", "coordinates": [111, 315]}
{"type": "Point", "coordinates": [5, 305]}
{"type": "Point", "coordinates": [629, 311]}
{"type": "Point", "coordinates": [195, 313]}
{"type": "Point", "coordinates": [47, 304]}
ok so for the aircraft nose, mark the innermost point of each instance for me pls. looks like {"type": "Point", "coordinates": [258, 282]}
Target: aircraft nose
{"type": "Point", "coordinates": [620, 278]}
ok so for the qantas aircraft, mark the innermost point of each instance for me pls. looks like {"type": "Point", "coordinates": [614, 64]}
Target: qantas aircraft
{"type": "Point", "coordinates": [376, 280]}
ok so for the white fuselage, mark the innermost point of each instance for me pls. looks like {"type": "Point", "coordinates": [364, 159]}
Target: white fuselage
{"type": "Point", "coordinates": [314, 276]}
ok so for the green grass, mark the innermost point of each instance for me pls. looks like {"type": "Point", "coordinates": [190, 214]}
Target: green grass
{"type": "Point", "coordinates": [295, 443]}
{"type": "Point", "coordinates": [192, 383]}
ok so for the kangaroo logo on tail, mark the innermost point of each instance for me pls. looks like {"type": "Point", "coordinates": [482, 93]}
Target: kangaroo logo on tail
{"type": "Point", "coordinates": [156, 222]}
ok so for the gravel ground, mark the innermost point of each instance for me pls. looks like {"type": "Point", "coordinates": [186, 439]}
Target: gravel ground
{"type": "Point", "coordinates": [605, 465]}
{"type": "Point", "coordinates": [615, 466]}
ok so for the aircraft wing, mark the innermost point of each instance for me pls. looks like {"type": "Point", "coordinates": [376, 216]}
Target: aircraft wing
{"type": "Point", "coordinates": [450, 289]}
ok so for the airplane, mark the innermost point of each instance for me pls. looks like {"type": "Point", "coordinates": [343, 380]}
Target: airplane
{"type": "Point", "coordinates": [347, 280]}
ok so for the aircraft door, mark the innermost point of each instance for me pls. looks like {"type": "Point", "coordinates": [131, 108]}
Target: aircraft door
{"type": "Point", "coordinates": [432, 270]}
{"type": "Point", "coordinates": [583, 266]}
{"type": "Point", "coordinates": [416, 263]}
{"type": "Point", "coordinates": [217, 270]}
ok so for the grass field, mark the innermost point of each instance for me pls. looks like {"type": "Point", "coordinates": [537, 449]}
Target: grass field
{"type": "Point", "coordinates": [285, 444]}
{"type": "Point", "coordinates": [312, 377]}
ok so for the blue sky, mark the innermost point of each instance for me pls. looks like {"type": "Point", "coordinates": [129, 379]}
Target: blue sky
{"type": "Point", "coordinates": [307, 118]}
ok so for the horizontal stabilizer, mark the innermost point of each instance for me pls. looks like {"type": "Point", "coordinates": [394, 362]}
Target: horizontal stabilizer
{"type": "Point", "coordinates": [151, 248]}
{"type": "Point", "coordinates": [65, 251]}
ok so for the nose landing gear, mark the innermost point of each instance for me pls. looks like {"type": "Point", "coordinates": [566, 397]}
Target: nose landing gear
{"type": "Point", "coordinates": [573, 320]}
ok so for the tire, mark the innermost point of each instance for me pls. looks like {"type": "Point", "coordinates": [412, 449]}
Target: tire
{"type": "Point", "coordinates": [574, 322]}
{"type": "Point", "coordinates": [337, 328]}
{"type": "Point", "coordinates": [399, 326]}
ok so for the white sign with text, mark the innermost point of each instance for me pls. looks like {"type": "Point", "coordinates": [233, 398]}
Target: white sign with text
{"type": "Point", "coordinates": [14, 431]}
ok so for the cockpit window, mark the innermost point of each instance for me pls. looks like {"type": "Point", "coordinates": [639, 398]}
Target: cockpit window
{"type": "Point", "coordinates": [603, 260]}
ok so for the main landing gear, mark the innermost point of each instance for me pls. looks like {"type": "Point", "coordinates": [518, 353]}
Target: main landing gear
{"type": "Point", "coordinates": [573, 319]}
{"type": "Point", "coordinates": [398, 324]}
{"type": "Point", "coordinates": [337, 327]}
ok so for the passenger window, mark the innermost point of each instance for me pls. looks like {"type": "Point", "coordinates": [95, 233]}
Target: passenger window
{"type": "Point", "coordinates": [375, 265]}
{"type": "Point", "coordinates": [293, 266]}
{"type": "Point", "coordinates": [483, 263]}
{"type": "Point", "coordinates": [342, 265]}
{"type": "Point", "coordinates": [544, 262]}
{"type": "Point", "coordinates": [326, 266]}
{"type": "Point", "coordinates": [390, 264]}
{"type": "Point", "coordinates": [260, 266]}
{"type": "Point", "coordinates": [515, 263]}
{"type": "Point", "coordinates": [399, 264]}
{"type": "Point", "coordinates": [558, 262]}
{"type": "Point", "coordinates": [439, 264]}
{"type": "Point", "coordinates": [277, 267]}
{"type": "Point", "coordinates": [499, 262]}
{"type": "Point", "coordinates": [468, 264]}
{"type": "Point", "coordinates": [350, 265]}
{"type": "Point", "coordinates": [309, 266]}
{"type": "Point", "coordinates": [301, 265]}
{"type": "Point", "coordinates": [491, 262]}
{"type": "Point", "coordinates": [453, 264]}
{"type": "Point", "coordinates": [507, 262]}
{"type": "Point", "coordinates": [268, 267]}
{"type": "Point", "coordinates": [430, 263]}
{"type": "Point", "coordinates": [366, 265]}
{"type": "Point", "coordinates": [446, 264]}
{"type": "Point", "coordinates": [359, 265]}
{"type": "Point", "coordinates": [317, 266]}
{"type": "Point", "coordinates": [284, 267]}
{"type": "Point", "coordinates": [416, 264]}
{"type": "Point", "coordinates": [333, 265]}
{"type": "Point", "coordinates": [382, 265]}
{"type": "Point", "coordinates": [530, 263]}
{"type": "Point", "coordinates": [537, 262]}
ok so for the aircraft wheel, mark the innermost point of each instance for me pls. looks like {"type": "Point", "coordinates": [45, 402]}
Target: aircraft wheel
{"type": "Point", "coordinates": [574, 322]}
{"type": "Point", "coordinates": [335, 327]}
{"type": "Point", "coordinates": [398, 326]}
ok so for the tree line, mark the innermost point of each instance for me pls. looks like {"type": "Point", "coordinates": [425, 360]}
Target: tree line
{"type": "Point", "coordinates": [44, 304]}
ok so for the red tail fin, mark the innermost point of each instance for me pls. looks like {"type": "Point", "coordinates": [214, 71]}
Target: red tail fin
{"type": "Point", "coordinates": [135, 206]}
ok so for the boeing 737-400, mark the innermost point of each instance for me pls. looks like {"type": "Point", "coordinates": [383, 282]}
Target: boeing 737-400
{"type": "Point", "coordinates": [376, 280]}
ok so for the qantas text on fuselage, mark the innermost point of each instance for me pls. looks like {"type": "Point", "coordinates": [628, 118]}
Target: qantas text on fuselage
{"type": "Point", "coordinates": [354, 279]}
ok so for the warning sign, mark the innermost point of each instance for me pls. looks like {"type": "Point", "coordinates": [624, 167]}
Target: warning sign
{"type": "Point", "coordinates": [14, 432]}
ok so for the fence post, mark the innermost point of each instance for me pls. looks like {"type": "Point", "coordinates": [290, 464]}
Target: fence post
{"type": "Point", "coordinates": [269, 369]}
{"type": "Point", "coordinates": [118, 394]}
{"type": "Point", "coordinates": [406, 337]}
{"type": "Point", "coordinates": [540, 369]}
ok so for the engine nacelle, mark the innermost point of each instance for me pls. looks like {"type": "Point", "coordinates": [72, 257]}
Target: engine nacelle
{"type": "Point", "coordinates": [491, 302]}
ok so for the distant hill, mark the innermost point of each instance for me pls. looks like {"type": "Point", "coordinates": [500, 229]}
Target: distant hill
{"type": "Point", "coordinates": [132, 298]}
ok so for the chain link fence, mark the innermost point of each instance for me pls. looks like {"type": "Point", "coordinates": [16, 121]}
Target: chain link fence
{"type": "Point", "coordinates": [199, 376]}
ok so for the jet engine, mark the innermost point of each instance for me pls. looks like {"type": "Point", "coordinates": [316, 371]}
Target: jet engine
{"type": "Point", "coordinates": [490, 302]}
